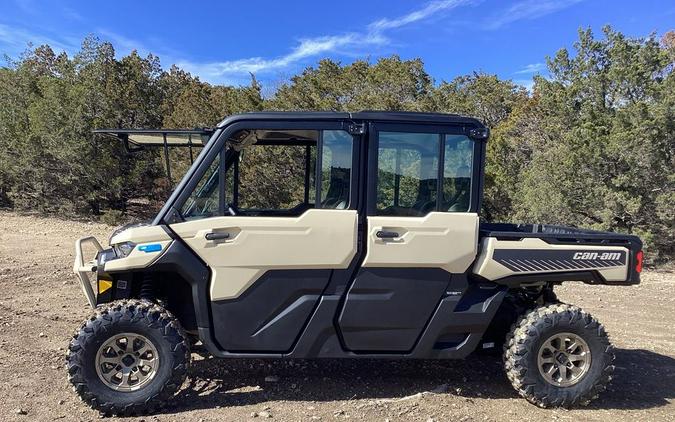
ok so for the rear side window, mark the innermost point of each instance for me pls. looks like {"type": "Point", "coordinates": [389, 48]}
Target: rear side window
{"type": "Point", "coordinates": [414, 169]}
{"type": "Point", "coordinates": [457, 171]}
{"type": "Point", "coordinates": [407, 173]}
{"type": "Point", "coordinates": [336, 169]}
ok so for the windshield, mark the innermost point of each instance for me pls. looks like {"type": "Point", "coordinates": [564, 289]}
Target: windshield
{"type": "Point", "coordinates": [204, 200]}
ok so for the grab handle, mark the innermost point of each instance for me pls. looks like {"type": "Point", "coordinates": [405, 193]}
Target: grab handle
{"type": "Point", "coordinates": [384, 234]}
{"type": "Point", "coordinates": [217, 236]}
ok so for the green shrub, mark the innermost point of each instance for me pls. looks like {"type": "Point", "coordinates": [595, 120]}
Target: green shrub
{"type": "Point", "coordinates": [112, 217]}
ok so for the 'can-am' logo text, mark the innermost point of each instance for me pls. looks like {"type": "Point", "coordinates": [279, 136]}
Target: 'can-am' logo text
{"type": "Point", "coordinates": [604, 256]}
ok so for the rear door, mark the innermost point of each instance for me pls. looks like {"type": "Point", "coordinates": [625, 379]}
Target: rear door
{"type": "Point", "coordinates": [422, 227]}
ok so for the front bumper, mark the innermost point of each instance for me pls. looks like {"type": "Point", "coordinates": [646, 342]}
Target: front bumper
{"type": "Point", "coordinates": [84, 269]}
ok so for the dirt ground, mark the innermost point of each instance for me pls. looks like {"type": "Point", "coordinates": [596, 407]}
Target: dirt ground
{"type": "Point", "coordinates": [41, 304]}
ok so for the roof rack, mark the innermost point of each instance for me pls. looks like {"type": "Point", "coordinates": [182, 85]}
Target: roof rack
{"type": "Point", "coordinates": [135, 140]}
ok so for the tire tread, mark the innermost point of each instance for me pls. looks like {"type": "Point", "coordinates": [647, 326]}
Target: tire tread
{"type": "Point", "coordinates": [136, 311]}
{"type": "Point", "coordinates": [520, 341]}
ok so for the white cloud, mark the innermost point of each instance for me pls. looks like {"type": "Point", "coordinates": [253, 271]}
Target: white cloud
{"type": "Point", "coordinates": [306, 48]}
{"type": "Point", "coordinates": [72, 14]}
{"type": "Point", "coordinates": [237, 71]}
{"type": "Point", "coordinates": [14, 41]}
{"type": "Point", "coordinates": [123, 44]}
{"type": "Point", "coordinates": [312, 47]}
{"type": "Point", "coordinates": [429, 10]}
{"type": "Point", "coordinates": [528, 9]}
{"type": "Point", "coordinates": [531, 68]}
{"type": "Point", "coordinates": [525, 83]}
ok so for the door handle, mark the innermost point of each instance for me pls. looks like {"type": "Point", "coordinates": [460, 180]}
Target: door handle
{"type": "Point", "coordinates": [217, 236]}
{"type": "Point", "coordinates": [383, 234]}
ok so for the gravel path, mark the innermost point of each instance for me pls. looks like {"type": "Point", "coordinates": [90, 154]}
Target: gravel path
{"type": "Point", "coordinates": [41, 304]}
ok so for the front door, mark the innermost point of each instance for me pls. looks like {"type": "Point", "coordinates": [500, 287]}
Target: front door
{"type": "Point", "coordinates": [422, 227]}
{"type": "Point", "coordinates": [272, 217]}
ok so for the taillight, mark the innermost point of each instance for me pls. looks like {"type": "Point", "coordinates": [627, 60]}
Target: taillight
{"type": "Point", "coordinates": [638, 265]}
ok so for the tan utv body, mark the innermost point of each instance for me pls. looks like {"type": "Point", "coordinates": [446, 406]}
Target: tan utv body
{"type": "Point", "coordinates": [311, 235]}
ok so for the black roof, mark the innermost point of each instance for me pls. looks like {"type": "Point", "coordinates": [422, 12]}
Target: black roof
{"type": "Point", "coordinates": [160, 137]}
{"type": "Point", "coordinates": [199, 136]}
{"type": "Point", "coordinates": [370, 115]}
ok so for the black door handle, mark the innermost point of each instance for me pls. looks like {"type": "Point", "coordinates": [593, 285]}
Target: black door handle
{"type": "Point", "coordinates": [217, 236]}
{"type": "Point", "coordinates": [383, 234]}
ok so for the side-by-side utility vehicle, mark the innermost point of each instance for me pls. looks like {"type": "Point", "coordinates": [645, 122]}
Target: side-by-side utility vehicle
{"type": "Point", "coordinates": [337, 235]}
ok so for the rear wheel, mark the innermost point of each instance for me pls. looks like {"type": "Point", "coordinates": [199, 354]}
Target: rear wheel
{"type": "Point", "coordinates": [128, 358]}
{"type": "Point", "coordinates": [558, 355]}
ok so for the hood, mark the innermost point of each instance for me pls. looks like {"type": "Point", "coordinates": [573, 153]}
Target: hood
{"type": "Point", "coordinates": [124, 227]}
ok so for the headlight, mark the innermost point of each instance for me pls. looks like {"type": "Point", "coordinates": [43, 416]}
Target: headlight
{"type": "Point", "coordinates": [123, 249]}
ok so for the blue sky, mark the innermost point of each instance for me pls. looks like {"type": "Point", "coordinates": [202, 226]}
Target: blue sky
{"type": "Point", "coordinates": [222, 42]}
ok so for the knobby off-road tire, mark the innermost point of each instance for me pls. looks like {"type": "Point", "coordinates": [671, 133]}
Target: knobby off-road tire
{"type": "Point", "coordinates": [133, 319]}
{"type": "Point", "coordinates": [526, 343]}
{"type": "Point", "coordinates": [514, 306]}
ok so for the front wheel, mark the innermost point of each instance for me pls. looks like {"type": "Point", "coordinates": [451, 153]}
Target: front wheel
{"type": "Point", "coordinates": [558, 355]}
{"type": "Point", "coordinates": [128, 358]}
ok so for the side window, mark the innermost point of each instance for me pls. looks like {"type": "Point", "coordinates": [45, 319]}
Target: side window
{"type": "Point", "coordinates": [273, 177]}
{"type": "Point", "coordinates": [457, 171]}
{"type": "Point", "coordinates": [273, 172]}
{"type": "Point", "coordinates": [336, 169]}
{"type": "Point", "coordinates": [407, 173]}
{"type": "Point", "coordinates": [204, 199]}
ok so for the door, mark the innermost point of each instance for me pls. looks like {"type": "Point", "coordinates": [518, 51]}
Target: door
{"type": "Point", "coordinates": [422, 227]}
{"type": "Point", "coordinates": [272, 229]}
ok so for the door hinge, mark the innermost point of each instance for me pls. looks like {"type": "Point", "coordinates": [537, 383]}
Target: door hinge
{"type": "Point", "coordinates": [479, 134]}
{"type": "Point", "coordinates": [356, 128]}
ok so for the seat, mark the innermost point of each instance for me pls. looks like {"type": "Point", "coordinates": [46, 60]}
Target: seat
{"type": "Point", "coordinates": [337, 196]}
{"type": "Point", "coordinates": [462, 184]}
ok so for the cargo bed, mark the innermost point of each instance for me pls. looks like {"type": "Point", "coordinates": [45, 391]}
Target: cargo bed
{"type": "Point", "coordinates": [516, 254]}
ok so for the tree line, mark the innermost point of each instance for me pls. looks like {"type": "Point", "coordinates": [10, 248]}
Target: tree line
{"type": "Point", "coordinates": [591, 144]}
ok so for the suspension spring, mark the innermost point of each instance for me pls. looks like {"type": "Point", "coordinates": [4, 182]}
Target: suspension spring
{"type": "Point", "coordinates": [147, 288]}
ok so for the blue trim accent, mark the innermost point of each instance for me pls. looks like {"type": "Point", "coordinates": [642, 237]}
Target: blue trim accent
{"type": "Point", "coordinates": [153, 247]}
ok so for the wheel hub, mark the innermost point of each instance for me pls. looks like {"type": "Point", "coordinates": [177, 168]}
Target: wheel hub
{"type": "Point", "coordinates": [564, 359]}
{"type": "Point", "coordinates": [561, 358]}
{"type": "Point", "coordinates": [127, 362]}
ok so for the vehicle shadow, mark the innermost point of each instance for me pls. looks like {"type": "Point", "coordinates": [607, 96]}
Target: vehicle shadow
{"type": "Point", "coordinates": [643, 379]}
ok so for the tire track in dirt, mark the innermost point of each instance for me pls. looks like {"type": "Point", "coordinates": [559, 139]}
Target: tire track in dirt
{"type": "Point", "coordinates": [39, 294]}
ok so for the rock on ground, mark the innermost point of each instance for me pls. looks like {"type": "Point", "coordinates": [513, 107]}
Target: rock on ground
{"type": "Point", "coordinates": [41, 305]}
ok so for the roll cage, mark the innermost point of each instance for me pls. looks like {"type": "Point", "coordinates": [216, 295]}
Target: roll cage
{"type": "Point", "coordinates": [362, 125]}
{"type": "Point", "coordinates": [135, 140]}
